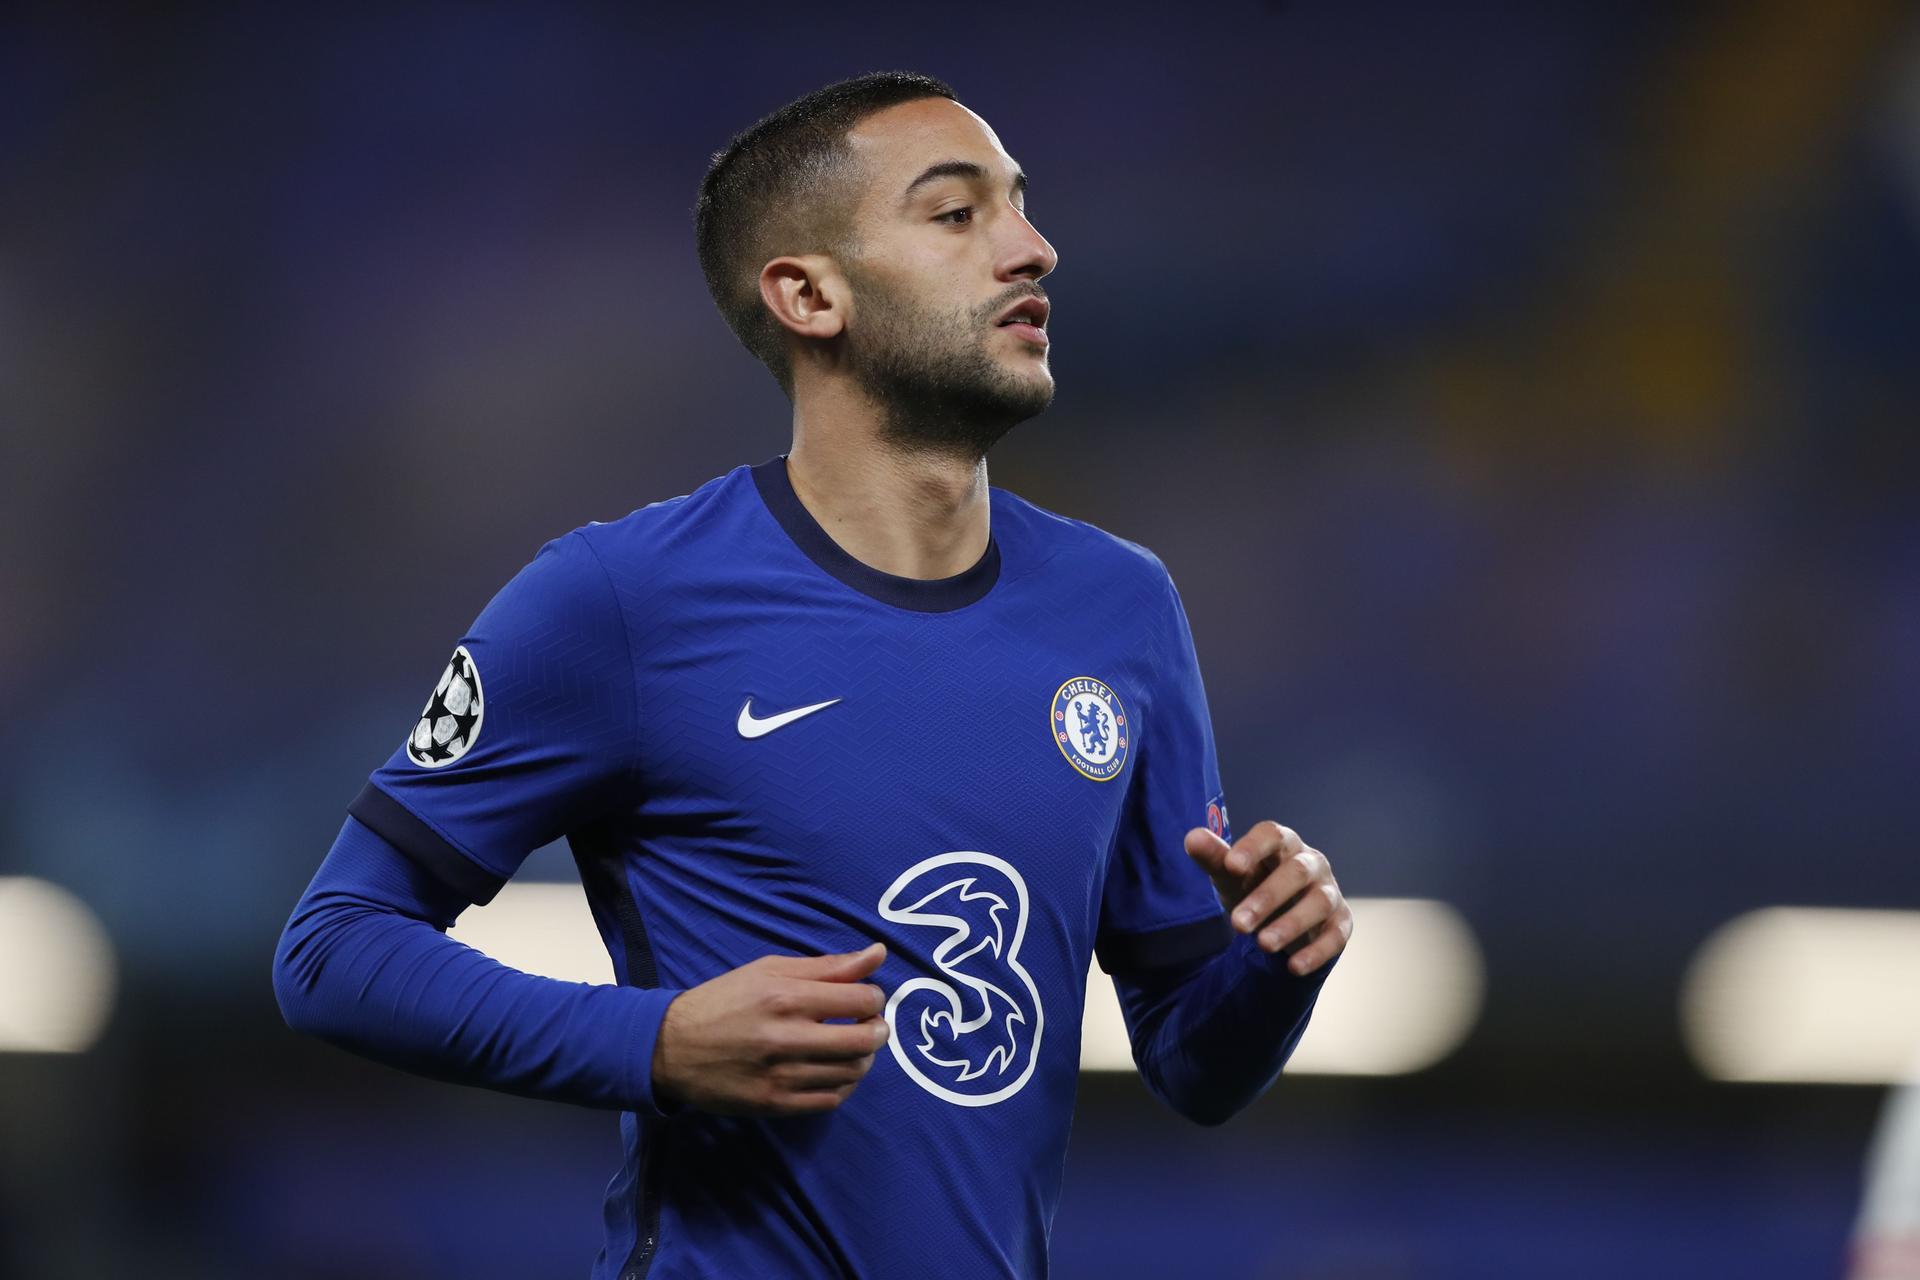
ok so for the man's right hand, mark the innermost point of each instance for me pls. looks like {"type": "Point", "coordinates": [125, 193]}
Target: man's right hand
{"type": "Point", "coordinates": [753, 1041]}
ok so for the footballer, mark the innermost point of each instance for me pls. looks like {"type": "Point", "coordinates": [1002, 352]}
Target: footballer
{"type": "Point", "coordinates": [862, 762]}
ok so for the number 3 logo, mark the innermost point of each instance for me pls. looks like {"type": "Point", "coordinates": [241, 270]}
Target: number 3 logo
{"type": "Point", "coordinates": [972, 1035]}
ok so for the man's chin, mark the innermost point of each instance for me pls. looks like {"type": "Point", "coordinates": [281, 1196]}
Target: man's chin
{"type": "Point", "coordinates": [1028, 387]}
{"type": "Point", "coordinates": [969, 426]}
{"type": "Point", "coordinates": [1016, 405]}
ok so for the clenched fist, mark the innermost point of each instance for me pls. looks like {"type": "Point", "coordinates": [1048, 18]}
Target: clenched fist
{"type": "Point", "coordinates": [755, 1040]}
{"type": "Point", "coordinates": [1271, 881]}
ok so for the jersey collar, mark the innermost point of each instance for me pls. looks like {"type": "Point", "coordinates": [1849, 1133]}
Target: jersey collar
{"type": "Point", "coordinates": [924, 595]}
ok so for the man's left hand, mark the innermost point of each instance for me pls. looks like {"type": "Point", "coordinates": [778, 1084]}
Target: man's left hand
{"type": "Point", "coordinates": [1270, 880]}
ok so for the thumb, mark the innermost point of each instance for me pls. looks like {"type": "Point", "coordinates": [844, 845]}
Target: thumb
{"type": "Point", "coordinates": [1210, 851]}
{"type": "Point", "coordinates": [848, 966]}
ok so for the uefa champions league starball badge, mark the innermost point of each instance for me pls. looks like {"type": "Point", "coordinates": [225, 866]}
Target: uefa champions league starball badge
{"type": "Point", "coordinates": [1090, 727]}
{"type": "Point", "coordinates": [451, 719]}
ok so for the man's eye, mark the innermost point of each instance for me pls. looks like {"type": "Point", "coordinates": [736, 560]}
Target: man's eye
{"type": "Point", "coordinates": [964, 210]}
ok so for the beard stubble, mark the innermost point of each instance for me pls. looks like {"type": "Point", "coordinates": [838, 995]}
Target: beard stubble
{"type": "Point", "coordinates": [939, 388]}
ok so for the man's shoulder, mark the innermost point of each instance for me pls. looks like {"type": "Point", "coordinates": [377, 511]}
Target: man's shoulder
{"type": "Point", "coordinates": [661, 524]}
{"type": "Point", "coordinates": [1063, 542]}
{"type": "Point", "coordinates": [602, 561]}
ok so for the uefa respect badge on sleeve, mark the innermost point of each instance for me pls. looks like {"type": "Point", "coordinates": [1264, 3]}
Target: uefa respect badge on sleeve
{"type": "Point", "coordinates": [1217, 820]}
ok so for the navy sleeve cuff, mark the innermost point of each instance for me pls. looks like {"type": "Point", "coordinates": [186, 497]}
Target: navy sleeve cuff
{"type": "Point", "coordinates": [652, 1011]}
{"type": "Point", "coordinates": [400, 827]}
{"type": "Point", "coordinates": [1156, 948]}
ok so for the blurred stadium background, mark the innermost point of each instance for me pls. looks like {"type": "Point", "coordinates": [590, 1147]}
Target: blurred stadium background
{"type": "Point", "coordinates": [1523, 396]}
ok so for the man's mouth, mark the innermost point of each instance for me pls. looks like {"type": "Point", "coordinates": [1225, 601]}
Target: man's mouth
{"type": "Point", "coordinates": [1028, 319]}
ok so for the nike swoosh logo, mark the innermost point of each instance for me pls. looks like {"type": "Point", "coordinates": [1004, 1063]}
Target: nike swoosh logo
{"type": "Point", "coordinates": [752, 726]}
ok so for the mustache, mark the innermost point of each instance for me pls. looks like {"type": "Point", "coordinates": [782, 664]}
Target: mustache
{"type": "Point", "coordinates": [1018, 293]}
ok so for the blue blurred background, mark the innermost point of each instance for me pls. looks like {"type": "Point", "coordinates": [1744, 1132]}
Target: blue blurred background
{"type": "Point", "coordinates": [1523, 396]}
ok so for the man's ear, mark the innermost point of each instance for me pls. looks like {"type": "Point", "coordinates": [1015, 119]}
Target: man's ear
{"type": "Point", "coordinates": [807, 294]}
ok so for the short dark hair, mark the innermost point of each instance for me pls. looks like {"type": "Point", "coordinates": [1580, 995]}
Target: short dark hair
{"type": "Point", "coordinates": [779, 187]}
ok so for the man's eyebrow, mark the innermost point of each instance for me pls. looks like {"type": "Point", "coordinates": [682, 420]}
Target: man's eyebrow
{"type": "Point", "coordinates": [959, 169]}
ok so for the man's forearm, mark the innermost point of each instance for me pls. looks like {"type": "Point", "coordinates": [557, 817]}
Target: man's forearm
{"type": "Point", "coordinates": [1211, 1037]}
{"type": "Point", "coordinates": [364, 964]}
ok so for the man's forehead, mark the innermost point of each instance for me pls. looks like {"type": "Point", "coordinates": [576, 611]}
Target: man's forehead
{"type": "Point", "coordinates": [896, 143]}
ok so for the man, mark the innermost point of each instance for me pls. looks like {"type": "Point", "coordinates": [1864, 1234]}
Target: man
{"type": "Point", "coordinates": [860, 761]}
{"type": "Point", "coordinates": [1886, 1232]}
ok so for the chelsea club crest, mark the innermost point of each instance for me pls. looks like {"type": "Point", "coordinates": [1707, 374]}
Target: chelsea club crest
{"type": "Point", "coordinates": [1090, 727]}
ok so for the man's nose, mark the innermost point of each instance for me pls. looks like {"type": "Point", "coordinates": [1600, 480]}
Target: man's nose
{"type": "Point", "coordinates": [1027, 255]}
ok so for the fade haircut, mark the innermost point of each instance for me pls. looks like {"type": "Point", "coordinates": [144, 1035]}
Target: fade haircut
{"type": "Point", "coordinates": [785, 186]}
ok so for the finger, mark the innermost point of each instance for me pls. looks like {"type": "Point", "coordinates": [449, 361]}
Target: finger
{"type": "Point", "coordinates": [815, 1000]}
{"type": "Point", "coordinates": [832, 1041]}
{"type": "Point", "coordinates": [1210, 852]}
{"type": "Point", "coordinates": [810, 1077]}
{"type": "Point", "coordinates": [1208, 849]}
{"type": "Point", "coordinates": [1328, 941]}
{"type": "Point", "coordinates": [1281, 884]}
{"type": "Point", "coordinates": [1262, 840]}
{"type": "Point", "coordinates": [812, 1102]}
{"type": "Point", "coordinates": [848, 966]}
{"type": "Point", "coordinates": [1318, 903]}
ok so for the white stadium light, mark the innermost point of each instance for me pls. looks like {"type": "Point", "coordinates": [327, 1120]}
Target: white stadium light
{"type": "Point", "coordinates": [1806, 995]}
{"type": "Point", "coordinates": [1403, 997]}
{"type": "Point", "coordinates": [542, 928]}
{"type": "Point", "coordinates": [56, 969]}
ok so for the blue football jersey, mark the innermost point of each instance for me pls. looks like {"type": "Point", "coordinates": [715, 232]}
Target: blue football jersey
{"type": "Point", "coordinates": [757, 745]}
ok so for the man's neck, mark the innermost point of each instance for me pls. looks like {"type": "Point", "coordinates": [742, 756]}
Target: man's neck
{"type": "Point", "coordinates": [910, 514]}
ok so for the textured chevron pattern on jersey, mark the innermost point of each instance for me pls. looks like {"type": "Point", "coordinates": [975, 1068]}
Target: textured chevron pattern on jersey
{"type": "Point", "coordinates": [616, 668]}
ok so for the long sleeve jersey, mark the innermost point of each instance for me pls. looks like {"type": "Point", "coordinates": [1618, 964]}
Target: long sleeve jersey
{"type": "Point", "coordinates": [755, 744]}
